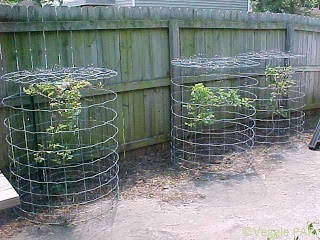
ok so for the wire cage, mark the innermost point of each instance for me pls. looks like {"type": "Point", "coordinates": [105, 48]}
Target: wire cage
{"type": "Point", "coordinates": [280, 96]}
{"type": "Point", "coordinates": [62, 143]}
{"type": "Point", "coordinates": [212, 114]}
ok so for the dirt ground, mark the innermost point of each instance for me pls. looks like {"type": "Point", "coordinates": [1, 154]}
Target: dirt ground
{"type": "Point", "coordinates": [275, 199]}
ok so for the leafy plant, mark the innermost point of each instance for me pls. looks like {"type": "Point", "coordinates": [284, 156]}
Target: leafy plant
{"type": "Point", "coordinates": [310, 231]}
{"type": "Point", "coordinates": [313, 230]}
{"type": "Point", "coordinates": [64, 101]}
{"type": "Point", "coordinates": [279, 80]}
{"type": "Point", "coordinates": [203, 99]}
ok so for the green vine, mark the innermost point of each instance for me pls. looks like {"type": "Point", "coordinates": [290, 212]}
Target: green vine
{"type": "Point", "coordinates": [64, 101]}
{"type": "Point", "coordinates": [279, 80]}
{"type": "Point", "coordinates": [202, 100]}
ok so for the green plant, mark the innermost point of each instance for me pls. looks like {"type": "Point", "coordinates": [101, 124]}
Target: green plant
{"type": "Point", "coordinates": [203, 100]}
{"type": "Point", "coordinates": [64, 101]}
{"type": "Point", "coordinates": [279, 80]}
{"type": "Point", "coordinates": [310, 231]}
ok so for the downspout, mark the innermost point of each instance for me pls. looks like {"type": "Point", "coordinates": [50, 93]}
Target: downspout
{"type": "Point", "coordinates": [133, 3]}
{"type": "Point", "coordinates": [249, 5]}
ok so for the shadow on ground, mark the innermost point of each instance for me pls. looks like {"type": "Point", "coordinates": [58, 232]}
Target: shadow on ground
{"type": "Point", "coordinates": [159, 200]}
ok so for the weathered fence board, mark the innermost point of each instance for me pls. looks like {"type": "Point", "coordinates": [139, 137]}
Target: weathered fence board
{"type": "Point", "coordinates": [306, 43]}
{"type": "Point", "coordinates": [139, 43]}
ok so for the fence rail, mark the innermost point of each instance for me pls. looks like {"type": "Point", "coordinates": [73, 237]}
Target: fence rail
{"type": "Point", "coordinates": [139, 43]}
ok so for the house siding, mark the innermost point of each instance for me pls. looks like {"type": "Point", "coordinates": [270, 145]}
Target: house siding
{"type": "Point", "coordinates": [124, 3]}
{"type": "Point", "coordinates": [241, 5]}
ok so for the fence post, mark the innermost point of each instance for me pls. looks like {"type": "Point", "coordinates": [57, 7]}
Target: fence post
{"type": "Point", "coordinates": [174, 45]}
{"type": "Point", "coordinates": [289, 40]}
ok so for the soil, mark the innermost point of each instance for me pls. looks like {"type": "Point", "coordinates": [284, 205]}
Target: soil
{"type": "Point", "coordinates": [159, 200]}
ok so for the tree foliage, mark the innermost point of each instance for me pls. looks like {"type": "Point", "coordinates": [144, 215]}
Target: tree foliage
{"type": "Point", "coordinates": [10, 2]}
{"type": "Point", "coordinates": [285, 6]}
{"type": "Point", "coordinates": [32, 2]}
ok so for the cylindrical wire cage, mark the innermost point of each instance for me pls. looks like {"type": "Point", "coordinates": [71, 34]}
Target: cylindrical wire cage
{"type": "Point", "coordinates": [212, 115]}
{"type": "Point", "coordinates": [62, 143]}
{"type": "Point", "coordinates": [210, 125]}
{"type": "Point", "coordinates": [280, 97]}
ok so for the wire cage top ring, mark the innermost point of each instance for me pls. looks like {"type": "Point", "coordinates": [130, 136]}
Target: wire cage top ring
{"type": "Point", "coordinates": [57, 73]}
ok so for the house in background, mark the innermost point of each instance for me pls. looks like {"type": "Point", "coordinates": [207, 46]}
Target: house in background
{"type": "Point", "coordinates": [240, 5]}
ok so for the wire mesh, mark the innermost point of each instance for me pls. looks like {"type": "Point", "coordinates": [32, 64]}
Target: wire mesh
{"type": "Point", "coordinates": [217, 62]}
{"type": "Point", "coordinates": [267, 55]}
{"type": "Point", "coordinates": [62, 143]}
{"type": "Point", "coordinates": [281, 93]}
{"type": "Point", "coordinates": [212, 136]}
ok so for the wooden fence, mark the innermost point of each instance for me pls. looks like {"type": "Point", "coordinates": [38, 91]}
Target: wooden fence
{"type": "Point", "coordinates": [139, 43]}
